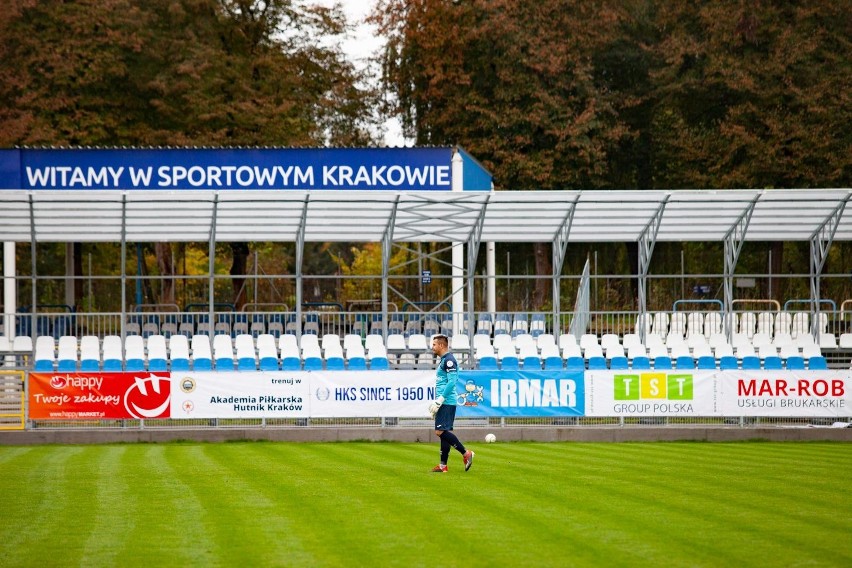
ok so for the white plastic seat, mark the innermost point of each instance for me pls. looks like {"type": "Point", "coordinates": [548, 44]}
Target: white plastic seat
{"type": "Point", "coordinates": [484, 350]}
{"type": "Point", "coordinates": [765, 323]}
{"type": "Point", "coordinates": [702, 350]}
{"type": "Point", "coordinates": [782, 339]}
{"type": "Point", "coordinates": [550, 351]}
{"type": "Point", "coordinates": [636, 350]}
{"type": "Point", "coordinates": [760, 339]}
{"type": "Point", "coordinates": [544, 340]}
{"type": "Point", "coordinates": [571, 350]}
{"type": "Point", "coordinates": [616, 350]}
{"type": "Point", "coordinates": [789, 350]}
{"type": "Point", "coordinates": [680, 350]}
{"type": "Point", "coordinates": [156, 347]}
{"type": "Point", "coordinates": [767, 351]}
{"type": "Point", "coordinates": [288, 342]}
{"type": "Point", "coordinates": [713, 324]}
{"type": "Point", "coordinates": [396, 342]}
{"type": "Point", "coordinates": [827, 341]}
{"type": "Point", "coordinates": [631, 339]}
{"type": "Point", "coordinates": [417, 342]}
{"type": "Point", "coordinates": [134, 347]}
{"type": "Point", "coordinates": [845, 341]}
{"type": "Point", "coordinates": [586, 340]}
{"type": "Point", "coordinates": [694, 323]}
{"type": "Point", "coordinates": [566, 339]}
{"type": "Point", "coordinates": [503, 341]}
{"type": "Point", "coordinates": [329, 339]}
{"type": "Point", "coordinates": [748, 323]}
{"type": "Point", "coordinates": [661, 324]}
{"type": "Point", "coordinates": [593, 350]}
{"type": "Point", "coordinates": [723, 350]}
{"type": "Point", "coordinates": [609, 339]}
{"type": "Point", "coordinates": [811, 351]}
{"type": "Point", "coordinates": [801, 324]}
{"type": "Point", "coordinates": [783, 322]}
{"type": "Point", "coordinates": [459, 342]}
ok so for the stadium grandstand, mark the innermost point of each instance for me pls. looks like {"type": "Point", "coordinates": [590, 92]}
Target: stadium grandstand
{"type": "Point", "coordinates": [707, 328]}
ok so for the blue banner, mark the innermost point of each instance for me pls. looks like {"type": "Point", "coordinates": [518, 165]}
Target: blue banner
{"type": "Point", "coordinates": [398, 169]}
{"type": "Point", "coordinates": [521, 393]}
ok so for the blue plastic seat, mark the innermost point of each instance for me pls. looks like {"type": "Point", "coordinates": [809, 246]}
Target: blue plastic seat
{"type": "Point", "coordinates": [773, 363]}
{"type": "Point", "coordinates": [379, 364]}
{"type": "Point", "coordinates": [291, 364]}
{"type": "Point", "coordinates": [728, 363]}
{"type": "Point", "coordinates": [269, 364]}
{"type": "Point", "coordinates": [112, 365]}
{"type": "Point", "coordinates": [575, 363]}
{"type": "Point", "coordinates": [203, 364]}
{"type": "Point", "coordinates": [178, 364]}
{"type": "Point", "coordinates": [66, 366]}
{"type": "Point", "coordinates": [706, 362]}
{"type": "Point", "coordinates": [751, 363]}
{"type": "Point", "coordinates": [510, 363]}
{"type": "Point", "coordinates": [597, 363]}
{"type": "Point", "coordinates": [532, 363]}
{"type": "Point", "coordinates": [553, 363]}
{"type": "Point", "coordinates": [90, 365]}
{"type": "Point", "coordinates": [158, 365]}
{"type": "Point", "coordinates": [618, 363]}
{"type": "Point", "coordinates": [641, 363]}
{"type": "Point", "coordinates": [313, 364]}
{"type": "Point", "coordinates": [44, 366]}
{"type": "Point", "coordinates": [684, 362]}
{"type": "Point", "coordinates": [335, 364]}
{"type": "Point", "coordinates": [488, 363]}
{"type": "Point", "coordinates": [817, 363]}
{"type": "Point", "coordinates": [796, 363]}
{"type": "Point", "coordinates": [357, 364]}
{"type": "Point", "coordinates": [246, 364]}
{"type": "Point", "coordinates": [663, 362]}
{"type": "Point", "coordinates": [225, 364]}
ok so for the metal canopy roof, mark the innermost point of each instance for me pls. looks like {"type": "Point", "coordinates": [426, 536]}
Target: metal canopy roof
{"type": "Point", "coordinates": [426, 216]}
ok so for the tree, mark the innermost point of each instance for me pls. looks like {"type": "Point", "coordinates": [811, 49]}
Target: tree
{"type": "Point", "coordinates": [512, 82]}
{"type": "Point", "coordinates": [179, 72]}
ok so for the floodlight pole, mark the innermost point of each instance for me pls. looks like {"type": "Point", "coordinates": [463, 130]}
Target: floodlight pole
{"type": "Point", "coordinates": [458, 251]}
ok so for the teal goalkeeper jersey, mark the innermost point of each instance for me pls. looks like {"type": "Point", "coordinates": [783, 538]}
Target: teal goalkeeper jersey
{"type": "Point", "coordinates": [447, 376]}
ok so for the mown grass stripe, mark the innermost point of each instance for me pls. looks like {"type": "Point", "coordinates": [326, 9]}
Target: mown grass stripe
{"type": "Point", "coordinates": [557, 504]}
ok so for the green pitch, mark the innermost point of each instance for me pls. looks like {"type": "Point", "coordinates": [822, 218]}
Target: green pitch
{"type": "Point", "coordinates": [376, 504]}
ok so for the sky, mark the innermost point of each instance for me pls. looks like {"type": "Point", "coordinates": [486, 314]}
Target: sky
{"type": "Point", "coordinates": [360, 46]}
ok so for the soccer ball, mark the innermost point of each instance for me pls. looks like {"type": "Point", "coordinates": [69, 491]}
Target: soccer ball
{"type": "Point", "coordinates": [490, 438]}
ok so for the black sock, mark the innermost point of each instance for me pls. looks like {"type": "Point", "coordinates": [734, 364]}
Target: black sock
{"type": "Point", "coordinates": [453, 441]}
{"type": "Point", "coordinates": [445, 450]}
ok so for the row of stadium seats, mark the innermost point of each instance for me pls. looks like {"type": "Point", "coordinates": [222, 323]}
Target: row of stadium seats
{"type": "Point", "coordinates": [267, 353]}
{"type": "Point", "coordinates": [746, 323]}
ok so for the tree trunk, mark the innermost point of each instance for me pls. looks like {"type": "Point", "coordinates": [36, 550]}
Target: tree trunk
{"type": "Point", "coordinates": [165, 263]}
{"type": "Point", "coordinates": [238, 271]}
{"type": "Point", "coordinates": [543, 268]}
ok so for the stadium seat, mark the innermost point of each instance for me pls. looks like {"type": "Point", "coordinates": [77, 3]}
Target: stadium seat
{"type": "Point", "coordinates": [313, 363]}
{"type": "Point", "coordinates": [488, 363]}
{"type": "Point", "coordinates": [291, 363]}
{"type": "Point", "coordinates": [379, 364]}
{"type": "Point", "coordinates": [751, 363]}
{"type": "Point", "coordinates": [90, 354]}
{"type": "Point", "coordinates": [597, 363]}
{"type": "Point", "coordinates": [575, 363]}
{"type": "Point", "coordinates": [706, 362]}
{"type": "Point", "coordinates": [795, 363]}
{"type": "Point", "coordinates": [728, 363]}
{"type": "Point", "coordinates": [157, 353]}
{"type": "Point", "coordinates": [510, 363]}
{"type": "Point", "coordinates": [335, 364]}
{"type": "Point", "coordinates": [553, 363]}
{"type": "Point", "coordinates": [773, 363]}
{"type": "Point", "coordinates": [663, 362]}
{"type": "Point", "coordinates": [685, 362]}
{"type": "Point", "coordinates": [357, 364]}
{"type": "Point", "coordinates": [269, 364]}
{"type": "Point", "coordinates": [532, 362]}
{"type": "Point", "coordinates": [641, 363]}
{"type": "Point", "coordinates": [178, 353]}
{"type": "Point", "coordinates": [817, 363]}
{"type": "Point", "coordinates": [66, 358]}
{"type": "Point", "coordinates": [618, 363]}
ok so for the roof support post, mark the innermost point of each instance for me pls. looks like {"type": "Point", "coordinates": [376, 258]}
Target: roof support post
{"type": "Point", "coordinates": [734, 239]}
{"type": "Point", "coordinates": [647, 240]}
{"type": "Point", "coordinates": [34, 295]}
{"type": "Point", "coordinates": [474, 239]}
{"type": "Point", "coordinates": [821, 241]}
{"type": "Point", "coordinates": [387, 246]}
{"type": "Point", "coordinates": [560, 247]}
{"type": "Point", "coordinates": [300, 255]}
{"type": "Point", "coordinates": [457, 167]}
{"type": "Point", "coordinates": [122, 328]}
{"type": "Point", "coordinates": [211, 267]}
